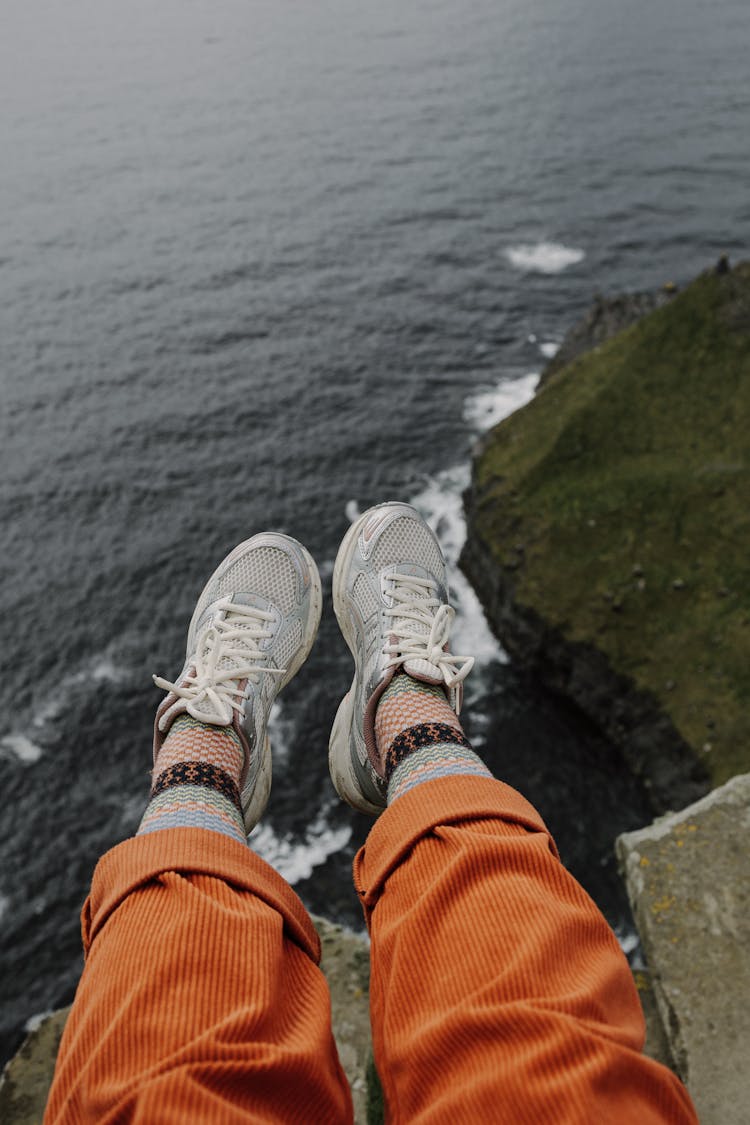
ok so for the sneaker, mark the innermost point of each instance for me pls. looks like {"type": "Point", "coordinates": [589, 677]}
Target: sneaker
{"type": "Point", "coordinates": [251, 632]}
{"type": "Point", "coordinates": [391, 602]}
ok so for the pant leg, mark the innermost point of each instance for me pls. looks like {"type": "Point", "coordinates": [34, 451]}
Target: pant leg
{"type": "Point", "coordinates": [201, 999]}
{"type": "Point", "coordinates": [498, 991]}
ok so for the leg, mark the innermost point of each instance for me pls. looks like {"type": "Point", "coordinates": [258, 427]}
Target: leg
{"type": "Point", "coordinates": [201, 999]}
{"type": "Point", "coordinates": [498, 991]}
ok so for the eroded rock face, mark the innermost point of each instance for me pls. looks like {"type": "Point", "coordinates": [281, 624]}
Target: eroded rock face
{"type": "Point", "coordinates": [605, 531]}
{"type": "Point", "coordinates": [651, 746]}
{"type": "Point", "coordinates": [26, 1080]}
{"type": "Point", "coordinates": [346, 965]}
{"type": "Point", "coordinates": [687, 879]}
{"type": "Point", "coordinates": [606, 317]}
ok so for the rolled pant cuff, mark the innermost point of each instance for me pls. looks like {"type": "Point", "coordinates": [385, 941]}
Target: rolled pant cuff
{"type": "Point", "coordinates": [191, 851]}
{"type": "Point", "coordinates": [446, 800]}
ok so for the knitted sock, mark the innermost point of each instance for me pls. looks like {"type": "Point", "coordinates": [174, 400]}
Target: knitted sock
{"type": "Point", "coordinates": [419, 737]}
{"type": "Point", "coordinates": [196, 780]}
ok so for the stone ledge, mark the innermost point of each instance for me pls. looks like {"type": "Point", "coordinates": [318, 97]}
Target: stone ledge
{"type": "Point", "coordinates": [26, 1079]}
{"type": "Point", "coordinates": [687, 879]}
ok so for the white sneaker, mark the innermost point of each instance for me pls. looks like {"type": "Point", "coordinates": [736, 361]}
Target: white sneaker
{"type": "Point", "coordinates": [391, 602]}
{"type": "Point", "coordinates": [251, 632]}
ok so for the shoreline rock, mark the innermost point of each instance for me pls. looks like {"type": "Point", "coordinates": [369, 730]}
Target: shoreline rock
{"type": "Point", "coordinates": [686, 876]}
{"type": "Point", "coordinates": [651, 746]}
{"type": "Point", "coordinates": [605, 525]}
{"type": "Point", "coordinates": [607, 317]}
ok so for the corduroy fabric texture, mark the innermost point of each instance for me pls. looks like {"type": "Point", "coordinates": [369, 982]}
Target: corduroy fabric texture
{"type": "Point", "coordinates": [498, 992]}
{"type": "Point", "coordinates": [201, 998]}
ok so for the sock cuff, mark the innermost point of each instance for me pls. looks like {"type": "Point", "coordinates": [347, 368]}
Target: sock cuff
{"type": "Point", "coordinates": [203, 774]}
{"type": "Point", "coordinates": [419, 737]}
{"type": "Point", "coordinates": [431, 762]}
{"type": "Point", "coordinates": [190, 806]}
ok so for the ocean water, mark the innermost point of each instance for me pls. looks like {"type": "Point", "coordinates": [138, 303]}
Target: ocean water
{"type": "Point", "coordinates": [263, 264]}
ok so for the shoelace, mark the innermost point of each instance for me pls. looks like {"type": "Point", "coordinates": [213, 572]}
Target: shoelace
{"type": "Point", "coordinates": [225, 654]}
{"type": "Point", "coordinates": [415, 601]}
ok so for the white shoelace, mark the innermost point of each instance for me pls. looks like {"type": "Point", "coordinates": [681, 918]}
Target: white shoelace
{"type": "Point", "coordinates": [415, 602]}
{"type": "Point", "coordinates": [226, 653]}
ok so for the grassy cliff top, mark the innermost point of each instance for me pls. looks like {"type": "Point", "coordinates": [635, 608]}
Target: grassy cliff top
{"type": "Point", "coordinates": [620, 499]}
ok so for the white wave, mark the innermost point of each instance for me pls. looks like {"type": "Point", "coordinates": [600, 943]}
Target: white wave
{"type": "Point", "coordinates": [22, 747]}
{"type": "Point", "coordinates": [544, 257]}
{"type": "Point", "coordinates": [471, 633]}
{"type": "Point", "coordinates": [440, 503]}
{"type": "Point", "coordinates": [294, 859]}
{"type": "Point", "coordinates": [325, 569]}
{"type": "Point", "coordinates": [98, 670]}
{"type": "Point", "coordinates": [49, 711]}
{"type": "Point", "coordinates": [33, 1022]}
{"type": "Point", "coordinates": [550, 349]}
{"type": "Point", "coordinates": [490, 405]}
{"type": "Point", "coordinates": [630, 944]}
{"type": "Point", "coordinates": [280, 733]}
{"type": "Point", "coordinates": [102, 668]}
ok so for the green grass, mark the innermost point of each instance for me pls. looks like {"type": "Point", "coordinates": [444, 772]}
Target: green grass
{"type": "Point", "coordinates": [626, 483]}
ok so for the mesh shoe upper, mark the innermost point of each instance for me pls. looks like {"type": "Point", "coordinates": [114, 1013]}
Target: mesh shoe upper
{"type": "Point", "coordinates": [392, 605]}
{"type": "Point", "coordinates": [253, 626]}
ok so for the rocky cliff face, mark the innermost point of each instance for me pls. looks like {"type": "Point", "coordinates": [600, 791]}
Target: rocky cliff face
{"type": "Point", "coordinates": [606, 318]}
{"type": "Point", "coordinates": [631, 718]}
{"type": "Point", "coordinates": [607, 532]}
{"type": "Point", "coordinates": [686, 876]}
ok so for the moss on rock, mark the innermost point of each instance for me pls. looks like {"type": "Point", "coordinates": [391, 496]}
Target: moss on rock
{"type": "Point", "coordinates": [615, 508]}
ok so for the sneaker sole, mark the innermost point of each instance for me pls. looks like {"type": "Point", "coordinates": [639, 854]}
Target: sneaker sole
{"type": "Point", "coordinates": [254, 802]}
{"type": "Point", "coordinates": [339, 745]}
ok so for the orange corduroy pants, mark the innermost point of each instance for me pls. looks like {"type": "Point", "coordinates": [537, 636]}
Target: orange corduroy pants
{"type": "Point", "coordinates": [498, 993]}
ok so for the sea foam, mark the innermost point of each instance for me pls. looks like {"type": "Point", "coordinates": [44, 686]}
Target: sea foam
{"type": "Point", "coordinates": [280, 734]}
{"type": "Point", "coordinates": [99, 669]}
{"type": "Point", "coordinates": [296, 859]}
{"type": "Point", "coordinates": [544, 257]}
{"type": "Point", "coordinates": [36, 1021]}
{"type": "Point", "coordinates": [21, 747]}
{"type": "Point", "coordinates": [490, 405]}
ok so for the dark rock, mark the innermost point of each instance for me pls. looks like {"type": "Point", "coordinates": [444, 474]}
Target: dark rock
{"type": "Point", "coordinates": [650, 744]}
{"type": "Point", "coordinates": [606, 317]}
{"type": "Point", "coordinates": [686, 876]}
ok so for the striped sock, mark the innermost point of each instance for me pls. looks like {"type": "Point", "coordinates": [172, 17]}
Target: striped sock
{"type": "Point", "coordinates": [419, 737]}
{"type": "Point", "coordinates": [196, 780]}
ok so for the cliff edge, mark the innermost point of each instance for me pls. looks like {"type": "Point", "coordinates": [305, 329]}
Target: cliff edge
{"type": "Point", "coordinates": [608, 524]}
